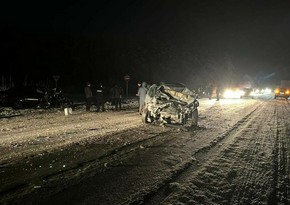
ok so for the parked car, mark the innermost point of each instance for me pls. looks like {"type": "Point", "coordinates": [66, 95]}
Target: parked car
{"type": "Point", "coordinates": [282, 93]}
{"type": "Point", "coordinates": [20, 97]}
{"type": "Point", "coordinates": [170, 104]}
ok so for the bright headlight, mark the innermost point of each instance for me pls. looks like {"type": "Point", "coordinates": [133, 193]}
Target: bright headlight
{"type": "Point", "coordinates": [268, 90]}
{"type": "Point", "coordinates": [241, 92]}
{"type": "Point", "coordinates": [233, 93]}
{"type": "Point", "coordinates": [228, 93]}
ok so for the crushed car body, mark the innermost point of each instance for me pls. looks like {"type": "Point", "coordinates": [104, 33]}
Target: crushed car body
{"type": "Point", "coordinates": [33, 97]}
{"type": "Point", "coordinates": [21, 97]}
{"type": "Point", "coordinates": [170, 104]}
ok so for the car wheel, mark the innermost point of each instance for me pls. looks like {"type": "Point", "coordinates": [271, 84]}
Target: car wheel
{"type": "Point", "coordinates": [195, 117]}
{"type": "Point", "coordinates": [193, 121]}
{"type": "Point", "coordinates": [146, 118]}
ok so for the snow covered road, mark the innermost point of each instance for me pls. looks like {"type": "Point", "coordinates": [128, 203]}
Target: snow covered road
{"type": "Point", "coordinates": [238, 155]}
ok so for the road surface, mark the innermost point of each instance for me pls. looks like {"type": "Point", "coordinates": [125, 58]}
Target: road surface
{"type": "Point", "coordinates": [239, 154]}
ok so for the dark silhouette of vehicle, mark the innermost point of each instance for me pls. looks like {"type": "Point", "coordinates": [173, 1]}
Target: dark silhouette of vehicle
{"type": "Point", "coordinates": [21, 97]}
{"type": "Point", "coordinates": [170, 104]}
{"type": "Point", "coordinates": [33, 97]}
{"type": "Point", "coordinates": [247, 93]}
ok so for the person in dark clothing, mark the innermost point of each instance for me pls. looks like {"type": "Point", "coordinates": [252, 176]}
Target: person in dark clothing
{"type": "Point", "coordinates": [116, 94]}
{"type": "Point", "coordinates": [100, 99]}
{"type": "Point", "coordinates": [218, 92]}
{"type": "Point", "coordinates": [88, 96]}
{"type": "Point", "coordinates": [210, 90]}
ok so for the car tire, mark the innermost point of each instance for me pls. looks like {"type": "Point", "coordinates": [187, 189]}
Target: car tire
{"type": "Point", "coordinates": [144, 116]}
{"type": "Point", "coordinates": [195, 118]}
{"type": "Point", "coordinates": [193, 121]}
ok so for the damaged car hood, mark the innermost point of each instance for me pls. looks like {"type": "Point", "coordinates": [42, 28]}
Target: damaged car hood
{"type": "Point", "coordinates": [171, 92]}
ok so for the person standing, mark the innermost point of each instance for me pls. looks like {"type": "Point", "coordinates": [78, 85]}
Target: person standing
{"type": "Point", "coordinates": [100, 100]}
{"type": "Point", "coordinates": [117, 93]}
{"type": "Point", "coordinates": [210, 91]}
{"type": "Point", "coordinates": [138, 86]}
{"type": "Point", "coordinates": [142, 94]}
{"type": "Point", "coordinates": [88, 96]}
{"type": "Point", "coordinates": [218, 92]}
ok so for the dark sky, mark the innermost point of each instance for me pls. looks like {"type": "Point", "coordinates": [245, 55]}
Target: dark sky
{"type": "Point", "coordinates": [154, 40]}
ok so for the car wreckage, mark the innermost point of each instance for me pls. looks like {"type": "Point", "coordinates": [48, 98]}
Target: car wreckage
{"type": "Point", "coordinates": [170, 104]}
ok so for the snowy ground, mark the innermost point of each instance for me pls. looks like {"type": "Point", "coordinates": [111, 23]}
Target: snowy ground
{"type": "Point", "coordinates": [239, 154]}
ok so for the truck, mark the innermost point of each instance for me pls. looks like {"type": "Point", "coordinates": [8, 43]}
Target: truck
{"type": "Point", "coordinates": [283, 91]}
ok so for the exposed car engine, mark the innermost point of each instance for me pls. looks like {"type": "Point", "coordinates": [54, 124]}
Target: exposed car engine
{"type": "Point", "coordinates": [170, 104]}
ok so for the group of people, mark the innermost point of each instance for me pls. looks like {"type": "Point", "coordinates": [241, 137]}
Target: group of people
{"type": "Point", "coordinates": [116, 94]}
{"type": "Point", "coordinates": [209, 91]}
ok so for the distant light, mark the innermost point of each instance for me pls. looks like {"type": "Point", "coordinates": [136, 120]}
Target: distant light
{"type": "Point", "coordinates": [263, 91]}
{"type": "Point", "coordinates": [268, 91]}
{"type": "Point", "coordinates": [230, 93]}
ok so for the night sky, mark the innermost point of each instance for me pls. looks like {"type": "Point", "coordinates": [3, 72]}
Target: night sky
{"type": "Point", "coordinates": [187, 41]}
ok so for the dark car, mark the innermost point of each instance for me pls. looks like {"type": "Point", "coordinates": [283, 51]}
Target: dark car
{"type": "Point", "coordinates": [282, 93]}
{"type": "Point", "coordinates": [247, 93]}
{"type": "Point", "coordinates": [21, 97]}
{"type": "Point", "coordinates": [170, 104]}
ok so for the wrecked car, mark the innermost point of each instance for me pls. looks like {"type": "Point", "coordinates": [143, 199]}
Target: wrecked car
{"type": "Point", "coordinates": [21, 97]}
{"type": "Point", "coordinates": [33, 97]}
{"type": "Point", "coordinates": [170, 104]}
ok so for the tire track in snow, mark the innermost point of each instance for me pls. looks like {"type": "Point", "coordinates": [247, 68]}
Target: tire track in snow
{"type": "Point", "coordinates": [254, 186]}
{"type": "Point", "coordinates": [85, 169]}
{"type": "Point", "coordinates": [236, 171]}
{"type": "Point", "coordinates": [281, 155]}
{"type": "Point", "coordinates": [159, 195]}
{"type": "Point", "coordinates": [211, 148]}
{"type": "Point", "coordinates": [37, 139]}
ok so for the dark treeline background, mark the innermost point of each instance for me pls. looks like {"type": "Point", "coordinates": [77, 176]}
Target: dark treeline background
{"type": "Point", "coordinates": [191, 42]}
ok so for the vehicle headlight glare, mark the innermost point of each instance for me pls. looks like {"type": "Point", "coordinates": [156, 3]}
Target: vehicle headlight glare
{"type": "Point", "coordinates": [241, 92]}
